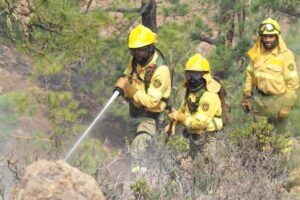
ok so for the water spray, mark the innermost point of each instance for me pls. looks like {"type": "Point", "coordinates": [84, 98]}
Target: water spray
{"type": "Point", "coordinates": [116, 93]}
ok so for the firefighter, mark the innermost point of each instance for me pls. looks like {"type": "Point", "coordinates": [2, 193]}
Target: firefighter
{"type": "Point", "coordinates": [271, 82]}
{"type": "Point", "coordinates": [200, 112]}
{"type": "Point", "coordinates": [146, 85]}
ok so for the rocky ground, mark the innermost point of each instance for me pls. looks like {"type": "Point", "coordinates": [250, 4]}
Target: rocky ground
{"type": "Point", "coordinates": [56, 181]}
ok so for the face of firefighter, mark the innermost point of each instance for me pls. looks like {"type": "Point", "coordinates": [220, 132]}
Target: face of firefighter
{"type": "Point", "coordinates": [195, 80]}
{"type": "Point", "coordinates": [143, 54]}
{"type": "Point", "coordinates": [269, 41]}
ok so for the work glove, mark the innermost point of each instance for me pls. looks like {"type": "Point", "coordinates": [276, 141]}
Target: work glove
{"type": "Point", "coordinates": [172, 115]}
{"type": "Point", "coordinates": [172, 130]}
{"type": "Point", "coordinates": [124, 85]}
{"type": "Point", "coordinates": [284, 112]}
{"type": "Point", "coordinates": [246, 102]}
{"type": "Point", "coordinates": [120, 84]}
{"type": "Point", "coordinates": [177, 116]}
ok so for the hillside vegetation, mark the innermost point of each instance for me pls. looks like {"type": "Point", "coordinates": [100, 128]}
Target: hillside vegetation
{"type": "Point", "coordinates": [59, 60]}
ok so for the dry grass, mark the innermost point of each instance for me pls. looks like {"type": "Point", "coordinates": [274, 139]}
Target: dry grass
{"type": "Point", "coordinates": [235, 172]}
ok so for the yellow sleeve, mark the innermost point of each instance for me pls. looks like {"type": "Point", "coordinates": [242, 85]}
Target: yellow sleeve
{"type": "Point", "coordinates": [181, 112]}
{"type": "Point", "coordinates": [207, 109]}
{"type": "Point", "coordinates": [291, 79]}
{"type": "Point", "coordinates": [159, 85]}
{"type": "Point", "coordinates": [249, 79]}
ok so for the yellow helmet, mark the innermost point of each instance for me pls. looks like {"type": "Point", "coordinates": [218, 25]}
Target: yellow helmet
{"type": "Point", "coordinates": [269, 27]}
{"type": "Point", "coordinates": [197, 63]}
{"type": "Point", "coordinates": [141, 36]}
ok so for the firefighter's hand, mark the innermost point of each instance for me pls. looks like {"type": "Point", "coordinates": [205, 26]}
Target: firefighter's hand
{"type": "Point", "coordinates": [172, 130]}
{"type": "Point", "coordinates": [283, 112]}
{"type": "Point", "coordinates": [246, 103]}
{"type": "Point", "coordinates": [172, 115]}
{"type": "Point", "coordinates": [121, 83]}
{"type": "Point", "coordinates": [124, 85]}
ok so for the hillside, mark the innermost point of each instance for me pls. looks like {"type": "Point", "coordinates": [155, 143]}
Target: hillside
{"type": "Point", "coordinates": [58, 64]}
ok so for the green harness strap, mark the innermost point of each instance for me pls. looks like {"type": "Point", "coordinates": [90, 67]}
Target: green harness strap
{"type": "Point", "coordinates": [151, 70]}
{"type": "Point", "coordinates": [193, 106]}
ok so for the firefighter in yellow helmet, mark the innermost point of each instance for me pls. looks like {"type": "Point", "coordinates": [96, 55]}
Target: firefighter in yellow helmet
{"type": "Point", "coordinates": [272, 80]}
{"type": "Point", "coordinates": [146, 85]}
{"type": "Point", "coordinates": [200, 111]}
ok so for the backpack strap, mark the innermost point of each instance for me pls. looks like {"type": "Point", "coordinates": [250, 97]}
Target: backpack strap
{"type": "Point", "coordinates": [151, 70]}
{"type": "Point", "coordinates": [148, 75]}
{"type": "Point", "coordinates": [224, 106]}
{"type": "Point", "coordinates": [134, 65]}
{"type": "Point", "coordinates": [224, 116]}
{"type": "Point", "coordinates": [193, 106]}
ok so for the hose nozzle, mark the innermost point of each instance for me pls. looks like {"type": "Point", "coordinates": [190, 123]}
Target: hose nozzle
{"type": "Point", "coordinates": [121, 92]}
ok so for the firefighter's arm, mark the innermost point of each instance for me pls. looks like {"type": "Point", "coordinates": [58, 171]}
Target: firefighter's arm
{"type": "Point", "coordinates": [246, 99]}
{"type": "Point", "coordinates": [249, 80]}
{"type": "Point", "coordinates": [128, 68]}
{"type": "Point", "coordinates": [290, 75]}
{"type": "Point", "coordinates": [206, 112]}
{"type": "Point", "coordinates": [123, 83]}
{"type": "Point", "coordinates": [160, 83]}
{"type": "Point", "coordinates": [178, 115]}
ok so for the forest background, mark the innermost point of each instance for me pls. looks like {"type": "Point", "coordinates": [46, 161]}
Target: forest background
{"type": "Point", "coordinates": [60, 59]}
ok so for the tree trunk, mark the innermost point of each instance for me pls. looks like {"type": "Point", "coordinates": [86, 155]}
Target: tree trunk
{"type": "Point", "coordinates": [149, 15]}
{"type": "Point", "coordinates": [227, 16]}
{"type": "Point", "coordinates": [230, 33]}
{"type": "Point", "coordinates": [241, 15]}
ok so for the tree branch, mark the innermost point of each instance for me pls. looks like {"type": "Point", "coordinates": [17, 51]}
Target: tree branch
{"type": "Point", "coordinates": [123, 10]}
{"type": "Point", "coordinates": [42, 26]}
{"type": "Point", "coordinates": [213, 41]}
{"type": "Point", "coordinates": [289, 11]}
{"type": "Point", "coordinates": [2, 189]}
{"type": "Point", "coordinates": [141, 11]}
{"type": "Point", "coordinates": [88, 6]}
{"type": "Point", "coordinates": [14, 169]}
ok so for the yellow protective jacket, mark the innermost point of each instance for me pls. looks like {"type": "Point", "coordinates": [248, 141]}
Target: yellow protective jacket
{"type": "Point", "coordinates": [209, 111]}
{"type": "Point", "coordinates": [272, 72]}
{"type": "Point", "coordinates": [159, 86]}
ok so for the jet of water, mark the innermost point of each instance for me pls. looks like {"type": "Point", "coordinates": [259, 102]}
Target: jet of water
{"type": "Point", "coordinates": [112, 98]}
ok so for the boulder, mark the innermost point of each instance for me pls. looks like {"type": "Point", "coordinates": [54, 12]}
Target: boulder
{"type": "Point", "coordinates": [56, 180]}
